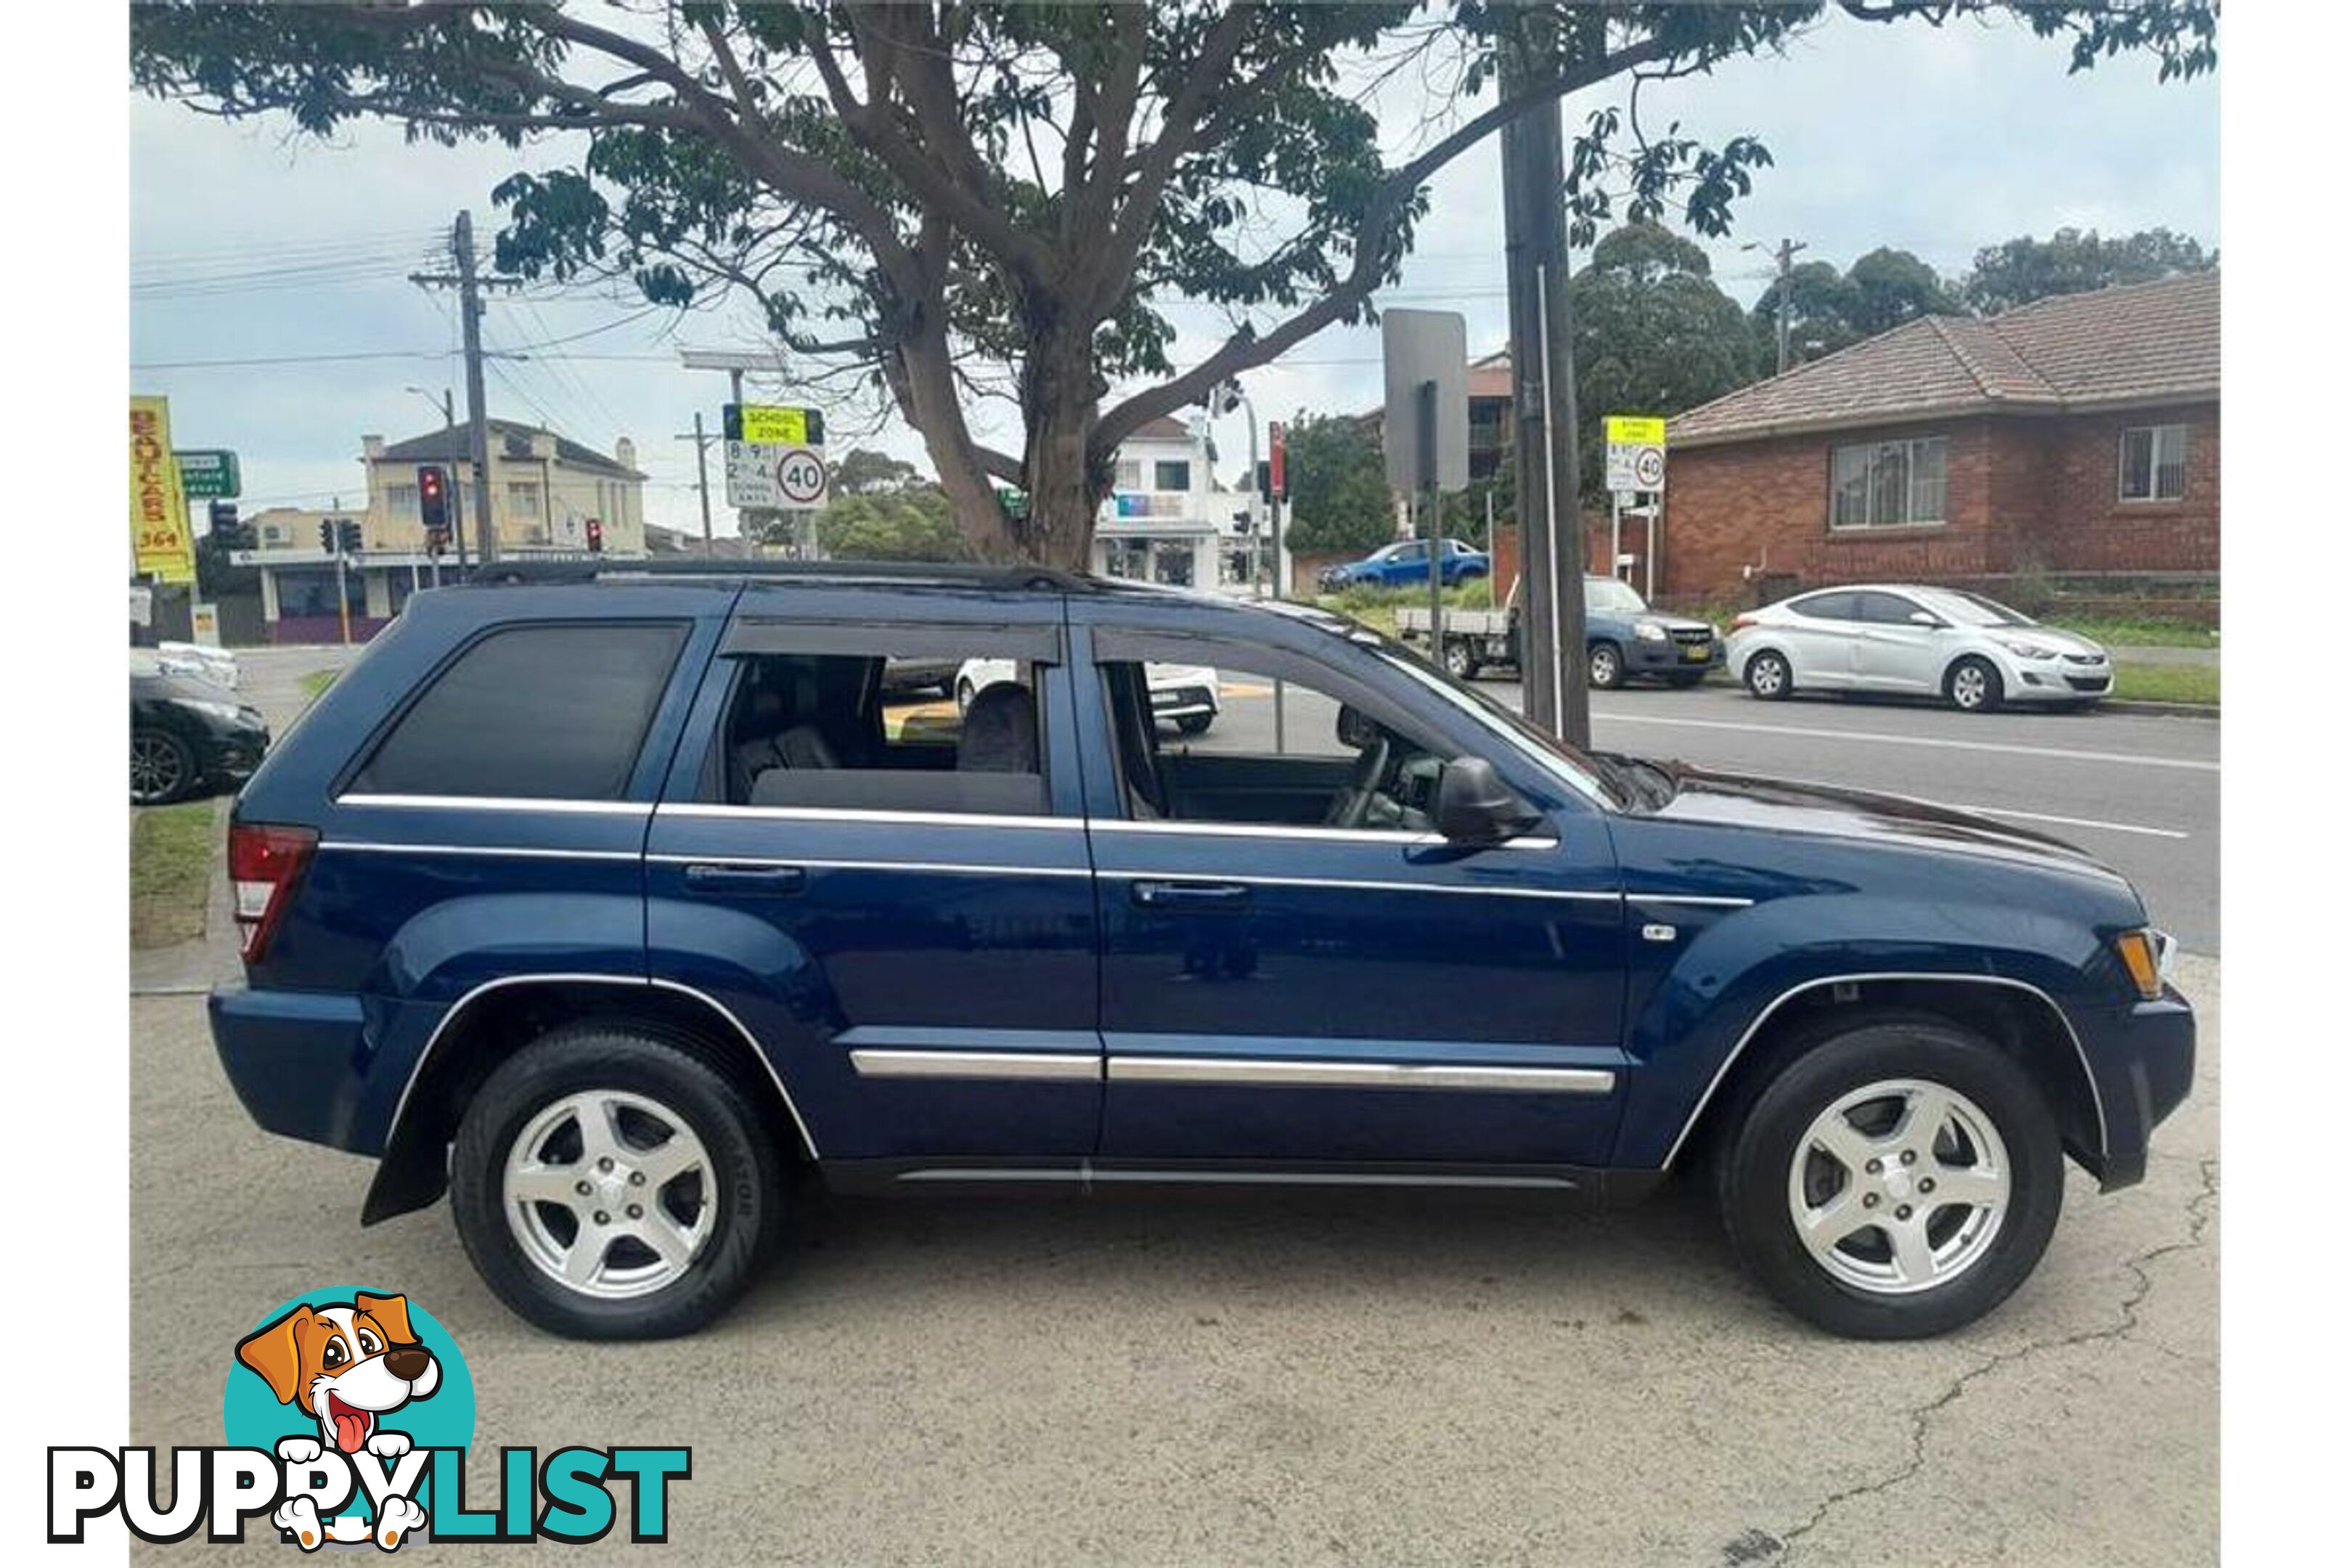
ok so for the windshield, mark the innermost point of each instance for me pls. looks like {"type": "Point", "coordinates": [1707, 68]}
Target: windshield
{"type": "Point", "coordinates": [1967, 609]}
{"type": "Point", "coordinates": [1612, 597]}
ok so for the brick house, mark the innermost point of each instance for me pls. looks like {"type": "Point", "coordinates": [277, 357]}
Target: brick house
{"type": "Point", "coordinates": [2079, 435]}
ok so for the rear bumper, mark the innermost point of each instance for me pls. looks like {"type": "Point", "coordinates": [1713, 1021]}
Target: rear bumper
{"type": "Point", "coordinates": [297, 1060]}
{"type": "Point", "coordinates": [2144, 1069]}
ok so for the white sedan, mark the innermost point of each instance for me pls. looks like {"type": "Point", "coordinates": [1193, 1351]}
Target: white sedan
{"type": "Point", "coordinates": [1184, 695]}
{"type": "Point", "coordinates": [214, 664]}
{"type": "Point", "coordinates": [1910, 640]}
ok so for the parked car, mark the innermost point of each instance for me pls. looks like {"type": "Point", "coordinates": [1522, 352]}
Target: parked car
{"type": "Point", "coordinates": [608, 907]}
{"type": "Point", "coordinates": [1623, 638]}
{"type": "Point", "coordinates": [187, 734]}
{"type": "Point", "coordinates": [910, 676]}
{"type": "Point", "coordinates": [1405, 564]}
{"type": "Point", "coordinates": [1920, 641]}
{"type": "Point", "coordinates": [1184, 695]}
{"type": "Point", "coordinates": [216, 665]}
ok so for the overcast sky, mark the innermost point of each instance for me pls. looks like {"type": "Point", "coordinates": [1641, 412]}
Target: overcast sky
{"type": "Point", "coordinates": [247, 245]}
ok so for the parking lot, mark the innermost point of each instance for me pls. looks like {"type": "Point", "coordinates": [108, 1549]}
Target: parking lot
{"type": "Point", "coordinates": [1344, 1378]}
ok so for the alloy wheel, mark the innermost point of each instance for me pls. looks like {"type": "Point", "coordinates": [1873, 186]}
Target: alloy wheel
{"type": "Point", "coordinates": [1899, 1186]}
{"type": "Point", "coordinates": [610, 1193]}
{"type": "Point", "coordinates": [1971, 686]}
{"type": "Point", "coordinates": [158, 768]}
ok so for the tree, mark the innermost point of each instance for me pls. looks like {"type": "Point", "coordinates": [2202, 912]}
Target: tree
{"type": "Point", "coordinates": [1891, 287]}
{"type": "Point", "coordinates": [1652, 335]}
{"type": "Point", "coordinates": [911, 524]}
{"type": "Point", "coordinates": [962, 197]}
{"type": "Point", "coordinates": [1822, 308]}
{"type": "Point", "coordinates": [2073, 261]}
{"type": "Point", "coordinates": [1339, 486]}
{"type": "Point", "coordinates": [863, 471]}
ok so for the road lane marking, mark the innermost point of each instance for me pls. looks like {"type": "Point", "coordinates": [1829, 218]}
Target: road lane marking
{"type": "Point", "coordinates": [1881, 738]}
{"type": "Point", "coordinates": [2067, 821]}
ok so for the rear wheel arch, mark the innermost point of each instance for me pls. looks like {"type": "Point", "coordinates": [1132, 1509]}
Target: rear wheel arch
{"type": "Point", "coordinates": [492, 1023]}
{"type": "Point", "coordinates": [2021, 1019]}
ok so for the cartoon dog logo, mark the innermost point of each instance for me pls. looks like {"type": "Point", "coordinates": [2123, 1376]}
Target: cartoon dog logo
{"type": "Point", "coordinates": [346, 1365]}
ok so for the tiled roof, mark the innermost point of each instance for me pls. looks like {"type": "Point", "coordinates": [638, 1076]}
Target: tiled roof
{"type": "Point", "coordinates": [1164, 428]}
{"type": "Point", "coordinates": [2139, 343]}
{"type": "Point", "coordinates": [449, 445]}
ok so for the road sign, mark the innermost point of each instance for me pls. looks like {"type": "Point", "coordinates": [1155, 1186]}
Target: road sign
{"type": "Point", "coordinates": [774, 477]}
{"type": "Point", "coordinates": [161, 544]}
{"type": "Point", "coordinates": [209, 475]}
{"type": "Point", "coordinates": [1418, 347]}
{"type": "Point", "coordinates": [1636, 453]}
{"type": "Point", "coordinates": [1277, 461]}
{"type": "Point", "coordinates": [763, 424]}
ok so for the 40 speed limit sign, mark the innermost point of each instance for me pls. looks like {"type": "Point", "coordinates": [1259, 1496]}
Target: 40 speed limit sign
{"type": "Point", "coordinates": [775, 476]}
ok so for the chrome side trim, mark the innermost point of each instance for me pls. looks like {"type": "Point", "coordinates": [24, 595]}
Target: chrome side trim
{"type": "Point", "coordinates": [818, 863]}
{"type": "Point", "coordinates": [1087, 1174]}
{"type": "Point", "coordinates": [2098, 1106]}
{"type": "Point", "coordinates": [497, 850]}
{"type": "Point", "coordinates": [871, 1062]}
{"type": "Point", "coordinates": [1696, 901]}
{"type": "Point", "coordinates": [849, 814]}
{"type": "Point", "coordinates": [1285, 1072]}
{"type": "Point", "coordinates": [400, 1107]}
{"type": "Point", "coordinates": [1311, 835]}
{"type": "Point", "coordinates": [1192, 874]}
{"type": "Point", "coordinates": [501, 802]}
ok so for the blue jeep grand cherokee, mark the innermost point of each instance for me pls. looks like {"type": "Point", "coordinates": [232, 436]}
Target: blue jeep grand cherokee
{"type": "Point", "coordinates": [610, 903]}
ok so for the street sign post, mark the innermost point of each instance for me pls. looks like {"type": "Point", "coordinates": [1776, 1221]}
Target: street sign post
{"type": "Point", "coordinates": [774, 457]}
{"type": "Point", "coordinates": [210, 474]}
{"type": "Point", "coordinates": [1635, 466]}
{"type": "Point", "coordinates": [1426, 428]}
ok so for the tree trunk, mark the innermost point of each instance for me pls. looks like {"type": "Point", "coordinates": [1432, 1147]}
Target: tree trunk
{"type": "Point", "coordinates": [922, 378]}
{"type": "Point", "coordinates": [1058, 403]}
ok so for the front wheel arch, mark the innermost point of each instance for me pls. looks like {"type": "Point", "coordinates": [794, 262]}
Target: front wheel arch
{"type": "Point", "coordinates": [493, 1022]}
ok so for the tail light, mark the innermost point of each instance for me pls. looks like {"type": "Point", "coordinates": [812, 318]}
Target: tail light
{"type": "Point", "coordinates": [264, 864]}
{"type": "Point", "coordinates": [1737, 622]}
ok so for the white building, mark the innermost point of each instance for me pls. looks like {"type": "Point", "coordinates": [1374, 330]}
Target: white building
{"type": "Point", "coordinates": [1168, 520]}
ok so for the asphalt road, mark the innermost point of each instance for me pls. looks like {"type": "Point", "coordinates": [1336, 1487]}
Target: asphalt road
{"type": "Point", "coordinates": [2140, 791]}
{"type": "Point", "coordinates": [1263, 1377]}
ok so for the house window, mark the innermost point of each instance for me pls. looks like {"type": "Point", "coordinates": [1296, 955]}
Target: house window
{"type": "Point", "coordinates": [522, 499]}
{"type": "Point", "coordinates": [401, 500]}
{"type": "Point", "coordinates": [2154, 463]}
{"type": "Point", "coordinates": [1129, 476]}
{"type": "Point", "coordinates": [1175, 475]}
{"type": "Point", "coordinates": [1887, 484]}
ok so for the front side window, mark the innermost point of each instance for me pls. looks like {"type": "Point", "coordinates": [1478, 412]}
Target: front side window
{"type": "Point", "coordinates": [2154, 463]}
{"type": "Point", "coordinates": [1176, 475]}
{"type": "Point", "coordinates": [545, 713]}
{"type": "Point", "coordinates": [1884, 609]}
{"type": "Point", "coordinates": [1888, 484]}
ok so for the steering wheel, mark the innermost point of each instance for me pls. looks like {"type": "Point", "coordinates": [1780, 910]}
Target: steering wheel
{"type": "Point", "coordinates": [1353, 805]}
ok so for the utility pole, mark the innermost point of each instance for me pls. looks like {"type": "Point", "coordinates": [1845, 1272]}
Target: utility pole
{"type": "Point", "coordinates": [1543, 371]}
{"type": "Point", "coordinates": [702, 475]}
{"type": "Point", "coordinates": [470, 284]}
{"type": "Point", "coordinates": [1787, 253]}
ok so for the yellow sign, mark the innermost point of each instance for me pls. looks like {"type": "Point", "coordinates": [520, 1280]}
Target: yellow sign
{"type": "Point", "coordinates": [779, 426]}
{"type": "Point", "coordinates": [161, 544]}
{"type": "Point", "coordinates": [1636, 430]}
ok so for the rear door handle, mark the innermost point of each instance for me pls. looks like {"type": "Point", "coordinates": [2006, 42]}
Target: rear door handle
{"type": "Point", "coordinates": [773, 880]}
{"type": "Point", "coordinates": [1190, 895]}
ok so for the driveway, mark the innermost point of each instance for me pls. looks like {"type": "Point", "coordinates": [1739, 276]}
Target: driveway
{"type": "Point", "coordinates": [1268, 1376]}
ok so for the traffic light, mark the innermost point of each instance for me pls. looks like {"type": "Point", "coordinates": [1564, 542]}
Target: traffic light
{"type": "Point", "coordinates": [347, 535]}
{"type": "Point", "coordinates": [1241, 522]}
{"type": "Point", "coordinates": [433, 498]}
{"type": "Point", "coordinates": [596, 534]}
{"type": "Point", "coordinates": [327, 534]}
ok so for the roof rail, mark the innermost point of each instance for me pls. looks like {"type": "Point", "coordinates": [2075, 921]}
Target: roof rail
{"type": "Point", "coordinates": [982, 575]}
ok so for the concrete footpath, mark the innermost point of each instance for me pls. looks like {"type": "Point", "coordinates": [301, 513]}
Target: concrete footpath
{"type": "Point", "coordinates": [1261, 1377]}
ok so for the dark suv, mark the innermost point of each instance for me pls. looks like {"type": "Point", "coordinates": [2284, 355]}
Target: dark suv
{"type": "Point", "coordinates": [612, 902]}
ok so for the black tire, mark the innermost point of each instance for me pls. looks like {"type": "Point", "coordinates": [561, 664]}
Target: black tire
{"type": "Point", "coordinates": [1460, 662]}
{"type": "Point", "coordinates": [1196, 723]}
{"type": "Point", "coordinates": [1755, 1159]}
{"type": "Point", "coordinates": [163, 768]}
{"type": "Point", "coordinates": [746, 1167]}
{"type": "Point", "coordinates": [1973, 686]}
{"type": "Point", "coordinates": [1769, 676]}
{"type": "Point", "coordinates": [1605, 666]}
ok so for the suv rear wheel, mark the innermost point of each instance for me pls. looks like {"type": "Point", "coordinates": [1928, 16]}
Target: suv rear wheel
{"type": "Point", "coordinates": [610, 1184]}
{"type": "Point", "coordinates": [1896, 1180]}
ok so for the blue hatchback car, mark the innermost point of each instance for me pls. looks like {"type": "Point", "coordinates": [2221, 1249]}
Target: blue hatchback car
{"type": "Point", "coordinates": [610, 899]}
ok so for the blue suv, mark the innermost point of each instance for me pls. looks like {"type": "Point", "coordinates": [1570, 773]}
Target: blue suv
{"type": "Point", "coordinates": [611, 899]}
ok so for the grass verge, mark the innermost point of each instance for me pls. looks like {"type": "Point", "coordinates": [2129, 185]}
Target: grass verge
{"type": "Point", "coordinates": [2137, 634]}
{"type": "Point", "coordinates": [171, 871]}
{"type": "Point", "coordinates": [2169, 683]}
{"type": "Point", "coordinates": [316, 681]}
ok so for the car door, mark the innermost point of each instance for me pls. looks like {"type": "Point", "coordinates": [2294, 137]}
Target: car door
{"type": "Point", "coordinates": [1401, 564]}
{"type": "Point", "coordinates": [1891, 651]}
{"type": "Point", "coordinates": [1277, 990]}
{"type": "Point", "coordinates": [894, 896]}
{"type": "Point", "coordinates": [1820, 632]}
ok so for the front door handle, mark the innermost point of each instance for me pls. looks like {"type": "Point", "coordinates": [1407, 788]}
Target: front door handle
{"type": "Point", "coordinates": [1190, 895]}
{"type": "Point", "coordinates": [772, 881]}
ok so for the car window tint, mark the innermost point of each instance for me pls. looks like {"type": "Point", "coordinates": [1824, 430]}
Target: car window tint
{"type": "Point", "coordinates": [542, 712]}
{"type": "Point", "coordinates": [1884, 609]}
{"type": "Point", "coordinates": [1825, 606]}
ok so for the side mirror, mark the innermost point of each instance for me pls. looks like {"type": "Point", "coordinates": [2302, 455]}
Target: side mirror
{"type": "Point", "coordinates": [1475, 806]}
{"type": "Point", "coordinates": [1922, 618]}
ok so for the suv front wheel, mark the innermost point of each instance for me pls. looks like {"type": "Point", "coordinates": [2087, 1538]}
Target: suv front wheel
{"type": "Point", "coordinates": [609, 1185]}
{"type": "Point", "coordinates": [1896, 1180]}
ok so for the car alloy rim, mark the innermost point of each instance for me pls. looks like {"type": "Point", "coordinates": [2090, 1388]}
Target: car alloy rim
{"type": "Point", "coordinates": [1899, 1186]}
{"type": "Point", "coordinates": [610, 1193]}
{"type": "Point", "coordinates": [1457, 660]}
{"type": "Point", "coordinates": [1766, 676]}
{"type": "Point", "coordinates": [1968, 686]}
{"type": "Point", "coordinates": [1605, 666]}
{"type": "Point", "coordinates": [154, 767]}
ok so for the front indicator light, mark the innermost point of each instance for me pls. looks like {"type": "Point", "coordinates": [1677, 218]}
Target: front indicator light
{"type": "Point", "coordinates": [2144, 955]}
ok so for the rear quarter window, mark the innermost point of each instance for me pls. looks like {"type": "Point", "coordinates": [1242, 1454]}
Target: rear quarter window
{"type": "Point", "coordinates": [540, 712]}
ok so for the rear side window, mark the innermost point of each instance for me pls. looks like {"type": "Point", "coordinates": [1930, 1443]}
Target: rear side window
{"type": "Point", "coordinates": [1825, 606]}
{"type": "Point", "coordinates": [540, 712]}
